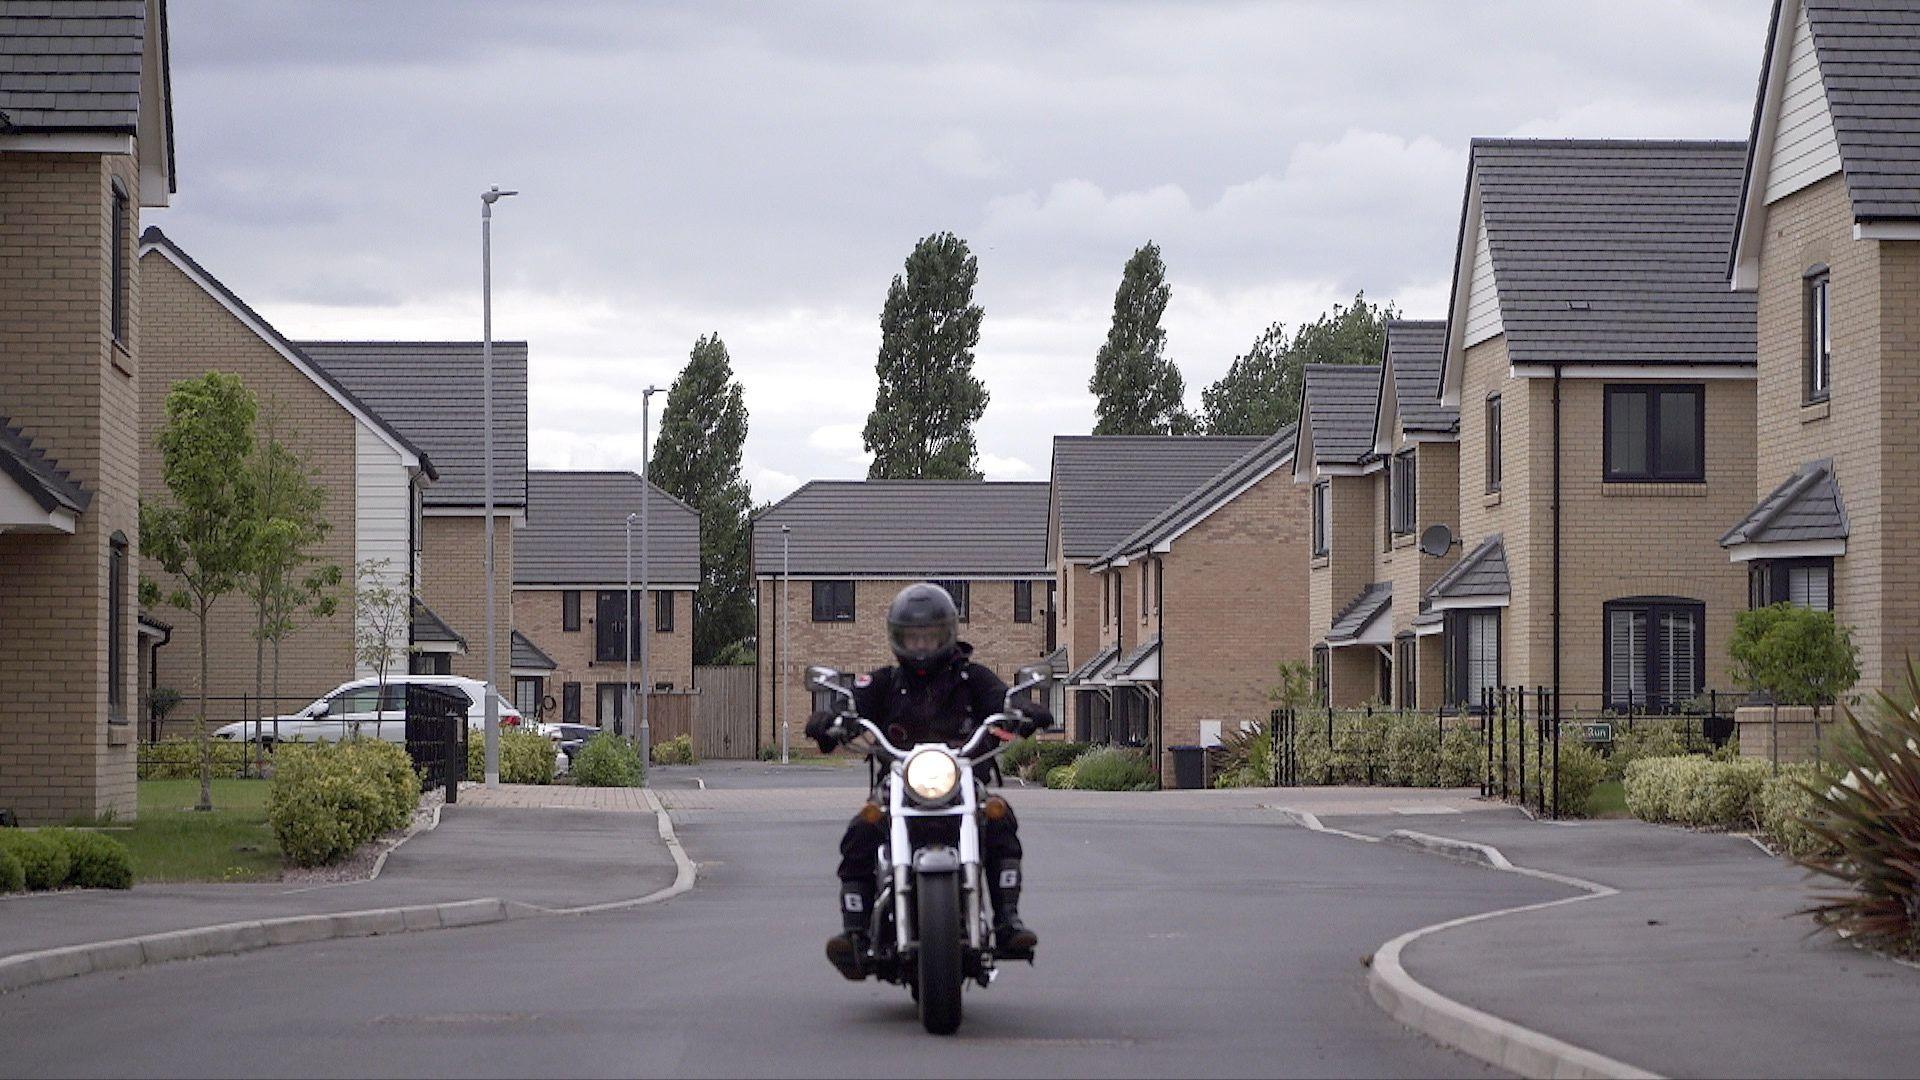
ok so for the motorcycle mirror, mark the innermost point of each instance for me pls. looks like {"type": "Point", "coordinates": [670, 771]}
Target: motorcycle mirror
{"type": "Point", "coordinates": [1034, 675]}
{"type": "Point", "coordinates": [823, 678]}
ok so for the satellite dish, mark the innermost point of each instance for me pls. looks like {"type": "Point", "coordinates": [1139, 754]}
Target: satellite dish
{"type": "Point", "coordinates": [1436, 541]}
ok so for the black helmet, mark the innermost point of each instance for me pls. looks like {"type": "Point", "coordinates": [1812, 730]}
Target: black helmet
{"type": "Point", "coordinates": [923, 625]}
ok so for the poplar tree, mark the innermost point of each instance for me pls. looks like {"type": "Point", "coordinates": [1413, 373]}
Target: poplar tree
{"type": "Point", "coordinates": [1139, 390]}
{"type": "Point", "coordinates": [921, 427]}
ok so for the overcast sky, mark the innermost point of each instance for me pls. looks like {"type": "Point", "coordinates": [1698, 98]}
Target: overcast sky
{"type": "Point", "coordinates": [762, 171]}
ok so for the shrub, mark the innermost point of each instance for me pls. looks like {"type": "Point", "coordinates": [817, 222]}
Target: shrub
{"type": "Point", "coordinates": [1412, 750]}
{"type": "Point", "coordinates": [1656, 787]}
{"type": "Point", "coordinates": [1017, 754]}
{"type": "Point", "coordinates": [675, 751]}
{"type": "Point", "coordinates": [1797, 655]}
{"type": "Point", "coordinates": [329, 798]}
{"type": "Point", "coordinates": [96, 861]}
{"type": "Point", "coordinates": [175, 758]}
{"type": "Point", "coordinates": [1647, 738]}
{"type": "Point", "coordinates": [1463, 755]}
{"type": "Point", "coordinates": [1786, 803]}
{"type": "Point", "coordinates": [1048, 756]}
{"type": "Point", "coordinates": [43, 859]}
{"type": "Point", "coordinates": [1695, 791]}
{"type": "Point", "coordinates": [1581, 770]}
{"type": "Point", "coordinates": [1111, 768]}
{"type": "Point", "coordinates": [1245, 759]}
{"type": "Point", "coordinates": [608, 760]}
{"type": "Point", "coordinates": [1060, 776]}
{"type": "Point", "coordinates": [526, 757]}
{"type": "Point", "coordinates": [13, 876]}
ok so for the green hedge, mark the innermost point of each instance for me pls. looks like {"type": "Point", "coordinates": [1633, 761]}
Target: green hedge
{"type": "Point", "coordinates": [95, 860]}
{"type": "Point", "coordinates": [329, 798]}
{"type": "Point", "coordinates": [54, 858]}
{"type": "Point", "coordinates": [1405, 749]}
{"type": "Point", "coordinates": [175, 758]}
{"type": "Point", "coordinates": [1784, 805]}
{"type": "Point", "coordinates": [1647, 738]}
{"type": "Point", "coordinates": [1048, 756]}
{"type": "Point", "coordinates": [1112, 768]}
{"type": "Point", "coordinates": [13, 876]}
{"type": "Point", "coordinates": [1018, 753]}
{"type": "Point", "coordinates": [526, 757]}
{"type": "Point", "coordinates": [675, 751]}
{"type": "Point", "coordinates": [43, 859]}
{"type": "Point", "coordinates": [1060, 776]}
{"type": "Point", "coordinates": [608, 760]}
{"type": "Point", "coordinates": [1695, 791]}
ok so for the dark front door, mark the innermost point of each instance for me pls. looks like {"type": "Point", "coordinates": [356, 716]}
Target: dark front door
{"type": "Point", "coordinates": [610, 626]}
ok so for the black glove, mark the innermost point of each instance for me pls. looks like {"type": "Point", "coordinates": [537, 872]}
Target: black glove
{"type": "Point", "coordinates": [1034, 718]}
{"type": "Point", "coordinates": [818, 726]}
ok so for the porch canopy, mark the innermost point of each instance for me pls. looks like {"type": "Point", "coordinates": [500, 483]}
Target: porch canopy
{"type": "Point", "coordinates": [1090, 674]}
{"type": "Point", "coordinates": [431, 634]}
{"type": "Point", "coordinates": [36, 495]}
{"type": "Point", "coordinates": [1142, 665]}
{"type": "Point", "coordinates": [1802, 518]}
{"type": "Point", "coordinates": [1479, 580]}
{"type": "Point", "coordinates": [529, 661]}
{"type": "Point", "coordinates": [1364, 621]}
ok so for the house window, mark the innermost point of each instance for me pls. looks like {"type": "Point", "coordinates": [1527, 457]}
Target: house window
{"type": "Point", "coordinates": [958, 590]}
{"type": "Point", "coordinates": [117, 630]}
{"type": "Point", "coordinates": [609, 704]}
{"type": "Point", "coordinates": [119, 264]}
{"type": "Point", "coordinates": [1806, 583]}
{"type": "Point", "coordinates": [1322, 506]}
{"type": "Point", "coordinates": [1655, 652]}
{"type": "Point", "coordinates": [833, 601]}
{"type": "Point", "coordinates": [663, 612]}
{"type": "Point", "coordinates": [1404, 664]}
{"type": "Point", "coordinates": [1323, 676]}
{"type": "Point", "coordinates": [1146, 587]}
{"type": "Point", "coordinates": [610, 619]}
{"type": "Point", "coordinates": [1493, 443]}
{"type": "Point", "coordinates": [570, 702]}
{"type": "Point", "coordinates": [526, 695]}
{"type": "Point", "coordinates": [1403, 507]}
{"type": "Point", "coordinates": [1023, 601]}
{"type": "Point", "coordinates": [1386, 507]}
{"type": "Point", "coordinates": [1818, 353]}
{"type": "Point", "coordinates": [430, 663]}
{"type": "Point", "coordinates": [1656, 433]}
{"type": "Point", "coordinates": [1383, 667]}
{"type": "Point", "coordinates": [1473, 657]}
{"type": "Point", "coordinates": [570, 610]}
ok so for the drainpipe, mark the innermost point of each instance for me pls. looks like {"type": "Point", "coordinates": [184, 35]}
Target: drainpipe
{"type": "Point", "coordinates": [1556, 555]}
{"type": "Point", "coordinates": [1160, 696]}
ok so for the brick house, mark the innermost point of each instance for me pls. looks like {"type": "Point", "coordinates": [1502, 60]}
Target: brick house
{"type": "Point", "coordinates": [1349, 595]}
{"type": "Point", "coordinates": [86, 139]}
{"type": "Point", "coordinates": [849, 546]}
{"type": "Point", "coordinates": [1104, 488]}
{"type": "Point", "coordinates": [1827, 244]}
{"type": "Point", "coordinates": [1603, 375]}
{"type": "Point", "coordinates": [570, 572]}
{"type": "Point", "coordinates": [1219, 579]}
{"type": "Point", "coordinates": [373, 475]}
{"type": "Point", "coordinates": [430, 391]}
{"type": "Point", "coordinates": [1417, 440]}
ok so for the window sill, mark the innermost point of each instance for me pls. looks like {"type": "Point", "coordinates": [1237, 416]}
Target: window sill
{"type": "Point", "coordinates": [1321, 562]}
{"type": "Point", "coordinates": [122, 359]}
{"type": "Point", "coordinates": [1491, 498]}
{"type": "Point", "coordinates": [1815, 410]}
{"type": "Point", "coordinates": [1404, 540]}
{"type": "Point", "coordinates": [1655, 490]}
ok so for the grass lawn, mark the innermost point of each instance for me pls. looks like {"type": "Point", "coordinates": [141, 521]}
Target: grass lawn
{"type": "Point", "coordinates": [1609, 800]}
{"type": "Point", "coordinates": [172, 842]}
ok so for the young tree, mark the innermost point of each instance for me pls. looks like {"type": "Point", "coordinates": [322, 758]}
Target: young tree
{"type": "Point", "coordinates": [200, 536]}
{"type": "Point", "coordinates": [382, 613]}
{"type": "Point", "coordinates": [286, 522]}
{"type": "Point", "coordinates": [697, 460]}
{"type": "Point", "coordinates": [1140, 390]}
{"type": "Point", "coordinates": [1260, 393]}
{"type": "Point", "coordinates": [922, 422]}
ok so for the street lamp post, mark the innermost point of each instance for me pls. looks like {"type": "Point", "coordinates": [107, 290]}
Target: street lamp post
{"type": "Point", "coordinates": [786, 593]}
{"type": "Point", "coordinates": [626, 694]}
{"type": "Point", "coordinates": [487, 199]}
{"type": "Point", "coordinates": [646, 574]}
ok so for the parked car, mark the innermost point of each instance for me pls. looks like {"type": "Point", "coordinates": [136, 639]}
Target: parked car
{"type": "Point", "coordinates": [350, 710]}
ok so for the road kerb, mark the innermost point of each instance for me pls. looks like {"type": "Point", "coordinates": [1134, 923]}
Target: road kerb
{"type": "Point", "coordinates": [684, 874]}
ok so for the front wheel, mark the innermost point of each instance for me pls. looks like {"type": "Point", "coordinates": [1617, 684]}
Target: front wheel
{"type": "Point", "coordinates": [941, 971]}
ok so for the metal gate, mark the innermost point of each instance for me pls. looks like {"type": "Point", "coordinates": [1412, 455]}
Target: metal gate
{"type": "Point", "coordinates": [437, 735]}
{"type": "Point", "coordinates": [723, 721]}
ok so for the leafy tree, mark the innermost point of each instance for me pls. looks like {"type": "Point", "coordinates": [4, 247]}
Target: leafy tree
{"type": "Point", "coordinates": [1796, 655]}
{"type": "Point", "coordinates": [697, 460]}
{"type": "Point", "coordinates": [921, 427]}
{"type": "Point", "coordinates": [1140, 390]}
{"type": "Point", "coordinates": [1260, 393]}
{"type": "Point", "coordinates": [286, 522]}
{"type": "Point", "coordinates": [201, 536]}
{"type": "Point", "coordinates": [382, 614]}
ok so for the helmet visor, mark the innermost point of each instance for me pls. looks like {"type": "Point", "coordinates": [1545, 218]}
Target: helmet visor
{"type": "Point", "coordinates": [922, 643]}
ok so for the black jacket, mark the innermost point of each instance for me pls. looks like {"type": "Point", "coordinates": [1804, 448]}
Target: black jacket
{"type": "Point", "coordinates": [946, 705]}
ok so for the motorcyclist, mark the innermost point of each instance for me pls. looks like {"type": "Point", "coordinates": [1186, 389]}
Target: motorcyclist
{"type": "Point", "coordinates": [936, 693]}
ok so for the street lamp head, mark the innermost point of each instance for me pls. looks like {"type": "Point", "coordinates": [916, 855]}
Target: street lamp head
{"type": "Point", "coordinates": [785, 529]}
{"type": "Point", "coordinates": [494, 195]}
{"type": "Point", "coordinates": [632, 518]}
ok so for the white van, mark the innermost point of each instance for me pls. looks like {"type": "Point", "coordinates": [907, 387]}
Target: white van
{"type": "Point", "coordinates": [350, 710]}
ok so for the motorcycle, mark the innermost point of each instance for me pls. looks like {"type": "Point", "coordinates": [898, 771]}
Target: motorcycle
{"type": "Point", "coordinates": [932, 924]}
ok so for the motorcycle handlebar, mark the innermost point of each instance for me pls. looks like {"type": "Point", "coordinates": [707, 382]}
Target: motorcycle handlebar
{"type": "Point", "coordinates": [894, 753]}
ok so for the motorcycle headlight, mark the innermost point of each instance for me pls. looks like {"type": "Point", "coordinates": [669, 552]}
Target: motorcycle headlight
{"type": "Point", "coordinates": [932, 775]}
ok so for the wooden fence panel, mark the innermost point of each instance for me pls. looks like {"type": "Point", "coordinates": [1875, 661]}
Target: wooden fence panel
{"type": "Point", "coordinates": [670, 714]}
{"type": "Point", "coordinates": [723, 723]}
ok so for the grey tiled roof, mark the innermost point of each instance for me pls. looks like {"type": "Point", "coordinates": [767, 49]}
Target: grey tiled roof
{"type": "Point", "coordinates": [1615, 252]}
{"type": "Point", "coordinates": [1806, 507]}
{"type": "Point", "coordinates": [1056, 662]}
{"type": "Point", "coordinates": [576, 532]}
{"type": "Point", "coordinates": [72, 65]}
{"type": "Point", "coordinates": [1429, 617]}
{"type": "Point", "coordinates": [1269, 454]}
{"type": "Point", "coordinates": [1093, 665]}
{"type": "Point", "coordinates": [1106, 486]}
{"type": "Point", "coordinates": [1341, 401]}
{"type": "Point", "coordinates": [1140, 654]}
{"type": "Point", "coordinates": [1482, 572]}
{"type": "Point", "coordinates": [155, 237]}
{"type": "Point", "coordinates": [1371, 603]}
{"type": "Point", "coordinates": [1869, 53]}
{"type": "Point", "coordinates": [48, 483]}
{"type": "Point", "coordinates": [907, 528]}
{"type": "Point", "coordinates": [430, 390]}
{"type": "Point", "coordinates": [431, 629]}
{"type": "Point", "coordinates": [1415, 352]}
{"type": "Point", "coordinates": [525, 654]}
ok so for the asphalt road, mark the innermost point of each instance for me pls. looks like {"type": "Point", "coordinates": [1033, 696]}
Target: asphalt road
{"type": "Point", "coordinates": [1218, 945]}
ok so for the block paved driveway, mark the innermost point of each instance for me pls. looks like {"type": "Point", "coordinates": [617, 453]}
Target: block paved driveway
{"type": "Point", "coordinates": [1183, 934]}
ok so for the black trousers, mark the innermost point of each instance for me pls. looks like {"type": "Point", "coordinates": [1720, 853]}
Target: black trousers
{"type": "Point", "coordinates": [860, 845]}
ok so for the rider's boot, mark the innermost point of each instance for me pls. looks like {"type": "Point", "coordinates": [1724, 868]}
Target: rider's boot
{"type": "Point", "coordinates": [1012, 939]}
{"type": "Point", "coordinates": [847, 949]}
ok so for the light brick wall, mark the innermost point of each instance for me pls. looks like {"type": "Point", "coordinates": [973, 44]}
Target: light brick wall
{"type": "Point", "coordinates": [1353, 545]}
{"type": "Point", "coordinates": [453, 571]}
{"type": "Point", "coordinates": [1437, 502]}
{"type": "Point", "coordinates": [1232, 609]}
{"type": "Point", "coordinates": [187, 334]}
{"type": "Point", "coordinates": [1507, 511]}
{"type": "Point", "coordinates": [537, 614]}
{"type": "Point", "coordinates": [75, 393]}
{"type": "Point", "coordinates": [1865, 426]}
{"type": "Point", "coordinates": [861, 645]}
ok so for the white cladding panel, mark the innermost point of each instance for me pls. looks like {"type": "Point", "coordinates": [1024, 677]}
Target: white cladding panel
{"type": "Point", "coordinates": [1804, 149]}
{"type": "Point", "coordinates": [382, 518]}
{"type": "Point", "coordinates": [1483, 299]}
